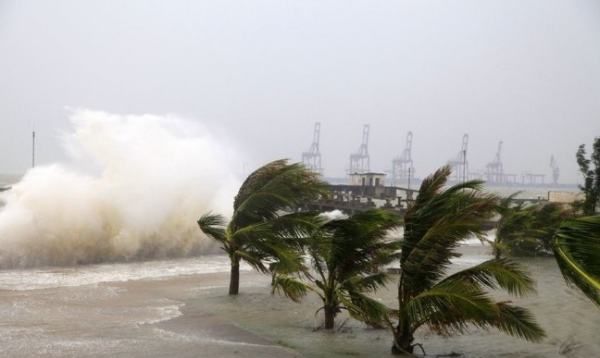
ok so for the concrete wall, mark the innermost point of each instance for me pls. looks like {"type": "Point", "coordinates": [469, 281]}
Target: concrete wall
{"type": "Point", "coordinates": [565, 197]}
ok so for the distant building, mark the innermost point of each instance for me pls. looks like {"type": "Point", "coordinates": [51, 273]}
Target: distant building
{"type": "Point", "coordinates": [370, 179]}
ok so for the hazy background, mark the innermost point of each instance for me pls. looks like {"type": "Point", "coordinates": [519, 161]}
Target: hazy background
{"type": "Point", "coordinates": [262, 72]}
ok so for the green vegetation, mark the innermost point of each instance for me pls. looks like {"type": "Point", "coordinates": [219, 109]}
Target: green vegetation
{"type": "Point", "coordinates": [264, 228]}
{"type": "Point", "coordinates": [346, 255]}
{"type": "Point", "coordinates": [577, 250]}
{"type": "Point", "coordinates": [436, 223]}
{"type": "Point", "coordinates": [591, 178]}
{"type": "Point", "coordinates": [527, 230]}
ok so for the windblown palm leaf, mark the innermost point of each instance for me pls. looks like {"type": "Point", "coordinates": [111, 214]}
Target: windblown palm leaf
{"type": "Point", "coordinates": [577, 251]}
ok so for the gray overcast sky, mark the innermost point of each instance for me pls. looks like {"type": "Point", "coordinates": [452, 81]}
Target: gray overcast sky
{"type": "Point", "coordinates": [527, 72]}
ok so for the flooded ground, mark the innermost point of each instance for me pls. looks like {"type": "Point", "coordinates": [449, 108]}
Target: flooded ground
{"type": "Point", "coordinates": [180, 308]}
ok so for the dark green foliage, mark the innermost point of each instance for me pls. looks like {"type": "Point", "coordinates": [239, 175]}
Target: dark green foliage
{"type": "Point", "coordinates": [434, 226]}
{"type": "Point", "coordinates": [577, 251]}
{"type": "Point", "coordinates": [347, 256]}
{"type": "Point", "coordinates": [527, 230]}
{"type": "Point", "coordinates": [265, 230]}
{"type": "Point", "coordinates": [591, 178]}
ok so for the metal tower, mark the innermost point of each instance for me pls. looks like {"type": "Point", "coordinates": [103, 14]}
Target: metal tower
{"type": "Point", "coordinates": [402, 166]}
{"type": "Point", "coordinates": [555, 170]}
{"type": "Point", "coordinates": [460, 165]}
{"type": "Point", "coordinates": [360, 161]}
{"type": "Point", "coordinates": [494, 170]}
{"type": "Point", "coordinates": [312, 157]}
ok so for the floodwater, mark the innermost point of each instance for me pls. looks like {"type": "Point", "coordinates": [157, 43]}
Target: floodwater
{"type": "Point", "coordinates": [180, 308]}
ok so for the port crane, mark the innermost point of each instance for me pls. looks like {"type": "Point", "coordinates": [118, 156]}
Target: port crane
{"type": "Point", "coordinates": [402, 166]}
{"type": "Point", "coordinates": [460, 165]}
{"type": "Point", "coordinates": [494, 170]}
{"type": "Point", "coordinates": [360, 161]}
{"type": "Point", "coordinates": [312, 157]}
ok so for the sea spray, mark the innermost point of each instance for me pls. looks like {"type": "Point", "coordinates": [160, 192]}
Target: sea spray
{"type": "Point", "coordinates": [133, 188]}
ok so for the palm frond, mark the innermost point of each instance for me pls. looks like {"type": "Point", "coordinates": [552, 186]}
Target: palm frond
{"type": "Point", "coordinates": [506, 203]}
{"type": "Point", "coordinates": [358, 244]}
{"type": "Point", "coordinates": [253, 258]}
{"type": "Point", "coordinates": [272, 188]}
{"type": "Point", "coordinates": [435, 225]}
{"type": "Point", "coordinates": [517, 322]}
{"type": "Point", "coordinates": [365, 308]}
{"type": "Point", "coordinates": [577, 251]}
{"type": "Point", "coordinates": [257, 179]}
{"type": "Point", "coordinates": [213, 225]}
{"type": "Point", "coordinates": [290, 287]}
{"type": "Point", "coordinates": [497, 273]}
{"type": "Point", "coordinates": [449, 307]}
{"type": "Point", "coordinates": [428, 256]}
{"type": "Point", "coordinates": [366, 283]}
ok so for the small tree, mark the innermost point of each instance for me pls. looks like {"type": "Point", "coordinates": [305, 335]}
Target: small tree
{"type": "Point", "coordinates": [347, 256]}
{"type": "Point", "coordinates": [591, 177]}
{"type": "Point", "coordinates": [264, 227]}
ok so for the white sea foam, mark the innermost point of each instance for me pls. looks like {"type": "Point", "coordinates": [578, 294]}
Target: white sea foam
{"type": "Point", "coordinates": [41, 278]}
{"type": "Point", "coordinates": [133, 188]}
{"type": "Point", "coordinates": [164, 312]}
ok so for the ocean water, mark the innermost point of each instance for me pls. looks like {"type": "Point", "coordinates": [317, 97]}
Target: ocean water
{"type": "Point", "coordinates": [570, 320]}
{"type": "Point", "coordinates": [180, 307]}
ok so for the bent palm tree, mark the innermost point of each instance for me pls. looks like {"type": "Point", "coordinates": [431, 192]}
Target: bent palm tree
{"type": "Point", "coordinates": [347, 256]}
{"type": "Point", "coordinates": [264, 227]}
{"type": "Point", "coordinates": [577, 250]}
{"type": "Point", "coordinates": [434, 226]}
{"type": "Point", "coordinates": [511, 225]}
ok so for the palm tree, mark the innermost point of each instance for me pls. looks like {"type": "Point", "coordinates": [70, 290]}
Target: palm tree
{"type": "Point", "coordinates": [511, 225]}
{"type": "Point", "coordinates": [577, 250]}
{"type": "Point", "coordinates": [434, 226]}
{"type": "Point", "coordinates": [346, 255]}
{"type": "Point", "coordinates": [527, 230]}
{"type": "Point", "coordinates": [264, 226]}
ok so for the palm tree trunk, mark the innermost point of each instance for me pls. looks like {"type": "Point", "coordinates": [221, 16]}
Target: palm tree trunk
{"type": "Point", "coordinates": [329, 317]}
{"type": "Point", "coordinates": [234, 278]}
{"type": "Point", "coordinates": [402, 343]}
{"type": "Point", "coordinates": [403, 338]}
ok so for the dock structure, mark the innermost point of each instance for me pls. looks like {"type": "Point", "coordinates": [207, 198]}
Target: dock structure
{"type": "Point", "coordinates": [532, 179]}
{"type": "Point", "coordinates": [365, 191]}
{"type": "Point", "coordinates": [354, 198]}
